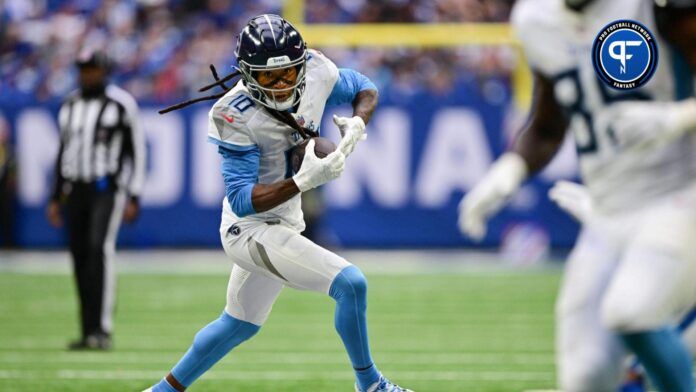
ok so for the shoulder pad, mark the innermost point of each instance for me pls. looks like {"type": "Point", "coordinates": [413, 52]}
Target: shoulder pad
{"type": "Point", "coordinates": [322, 67]}
{"type": "Point", "coordinates": [531, 14]}
{"type": "Point", "coordinates": [534, 23]}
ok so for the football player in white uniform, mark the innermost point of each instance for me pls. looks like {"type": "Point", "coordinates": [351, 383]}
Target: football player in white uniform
{"type": "Point", "coordinates": [575, 199]}
{"type": "Point", "coordinates": [279, 101]}
{"type": "Point", "coordinates": [632, 270]}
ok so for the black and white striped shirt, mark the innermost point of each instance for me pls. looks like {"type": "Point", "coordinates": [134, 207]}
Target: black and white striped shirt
{"type": "Point", "coordinates": [101, 138]}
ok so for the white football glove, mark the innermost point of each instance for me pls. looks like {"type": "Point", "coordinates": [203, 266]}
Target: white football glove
{"type": "Point", "coordinates": [490, 194]}
{"type": "Point", "coordinates": [352, 131]}
{"type": "Point", "coordinates": [317, 171]}
{"type": "Point", "coordinates": [574, 199]}
{"type": "Point", "coordinates": [636, 124]}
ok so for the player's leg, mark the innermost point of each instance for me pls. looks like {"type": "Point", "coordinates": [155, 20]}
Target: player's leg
{"type": "Point", "coordinates": [349, 289]}
{"type": "Point", "coordinates": [250, 297]}
{"type": "Point", "coordinates": [297, 262]}
{"type": "Point", "coordinates": [653, 285]}
{"type": "Point", "coordinates": [588, 355]}
{"type": "Point", "coordinates": [688, 330]}
{"type": "Point", "coordinates": [635, 373]}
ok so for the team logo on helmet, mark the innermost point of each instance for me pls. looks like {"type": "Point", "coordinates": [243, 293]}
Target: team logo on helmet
{"type": "Point", "coordinates": [624, 54]}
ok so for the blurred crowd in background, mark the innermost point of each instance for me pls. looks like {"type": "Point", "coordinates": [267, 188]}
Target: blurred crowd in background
{"type": "Point", "coordinates": [162, 48]}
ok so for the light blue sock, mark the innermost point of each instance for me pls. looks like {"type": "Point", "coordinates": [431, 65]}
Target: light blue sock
{"type": "Point", "coordinates": [349, 289]}
{"type": "Point", "coordinates": [665, 358]}
{"type": "Point", "coordinates": [210, 344]}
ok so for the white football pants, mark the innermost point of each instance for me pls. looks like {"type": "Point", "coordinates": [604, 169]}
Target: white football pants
{"type": "Point", "coordinates": [628, 272]}
{"type": "Point", "coordinates": [267, 257]}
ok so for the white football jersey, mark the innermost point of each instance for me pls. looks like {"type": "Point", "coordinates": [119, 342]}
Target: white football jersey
{"type": "Point", "coordinates": [558, 43]}
{"type": "Point", "coordinates": [237, 119]}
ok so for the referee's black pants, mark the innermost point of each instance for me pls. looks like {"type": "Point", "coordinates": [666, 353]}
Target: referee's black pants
{"type": "Point", "coordinates": [94, 214]}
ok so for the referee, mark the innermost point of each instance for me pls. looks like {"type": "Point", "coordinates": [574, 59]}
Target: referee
{"type": "Point", "coordinates": [99, 175]}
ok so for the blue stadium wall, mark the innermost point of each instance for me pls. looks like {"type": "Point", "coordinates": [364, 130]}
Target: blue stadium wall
{"type": "Point", "coordinates": [400, 189]}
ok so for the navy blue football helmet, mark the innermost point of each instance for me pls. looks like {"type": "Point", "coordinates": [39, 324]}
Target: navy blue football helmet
{"type": "Point", "coordinates": [577, 5]}
{"type": "Point", "coordinates": [269, 42]}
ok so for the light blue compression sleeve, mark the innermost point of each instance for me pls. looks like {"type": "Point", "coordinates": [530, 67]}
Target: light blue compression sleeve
{"type": "Point", "coordinates": [240, 170]}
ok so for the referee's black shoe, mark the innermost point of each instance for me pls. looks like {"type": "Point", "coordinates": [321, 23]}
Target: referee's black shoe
{"type": "Point", "coordinates": [98, 342]}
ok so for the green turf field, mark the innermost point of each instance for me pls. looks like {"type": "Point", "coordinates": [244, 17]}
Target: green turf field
{"type": "Point", "coordinates": [477, 331]}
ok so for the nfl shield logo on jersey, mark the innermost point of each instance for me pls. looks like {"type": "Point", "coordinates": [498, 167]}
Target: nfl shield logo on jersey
{"type": "Point", "coordinates": [303, 123]}
{"type": "Point", "coordinates": [624, 54]}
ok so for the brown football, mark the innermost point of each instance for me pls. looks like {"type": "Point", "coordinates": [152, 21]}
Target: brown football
{"type": "Point", "coordinates": [322, 148]}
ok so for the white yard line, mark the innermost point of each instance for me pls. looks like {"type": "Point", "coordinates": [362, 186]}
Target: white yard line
{"type": "Point", "coordinates": [117, 358]}
{"type": "Point", "coordinates": [542, 390]}
{"type": "Point", "coordinates": [529, 346]}
{"type": "Point", "coordinates": [468, 376]}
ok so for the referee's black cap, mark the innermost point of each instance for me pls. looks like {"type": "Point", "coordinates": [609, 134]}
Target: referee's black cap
{"type": "Point", "coordinates": [93, 59]}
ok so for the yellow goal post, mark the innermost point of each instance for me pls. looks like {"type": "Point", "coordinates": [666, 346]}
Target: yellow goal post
{"type": "Point", "coordinates": [415, 35]}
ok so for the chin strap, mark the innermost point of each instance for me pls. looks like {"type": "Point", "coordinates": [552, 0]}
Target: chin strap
{"type": "Point", "coordinates": [287, 118]}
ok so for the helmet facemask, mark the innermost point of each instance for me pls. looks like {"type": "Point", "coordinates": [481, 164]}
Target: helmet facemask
{"type": "Point", "coordinates": [267, 95]}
